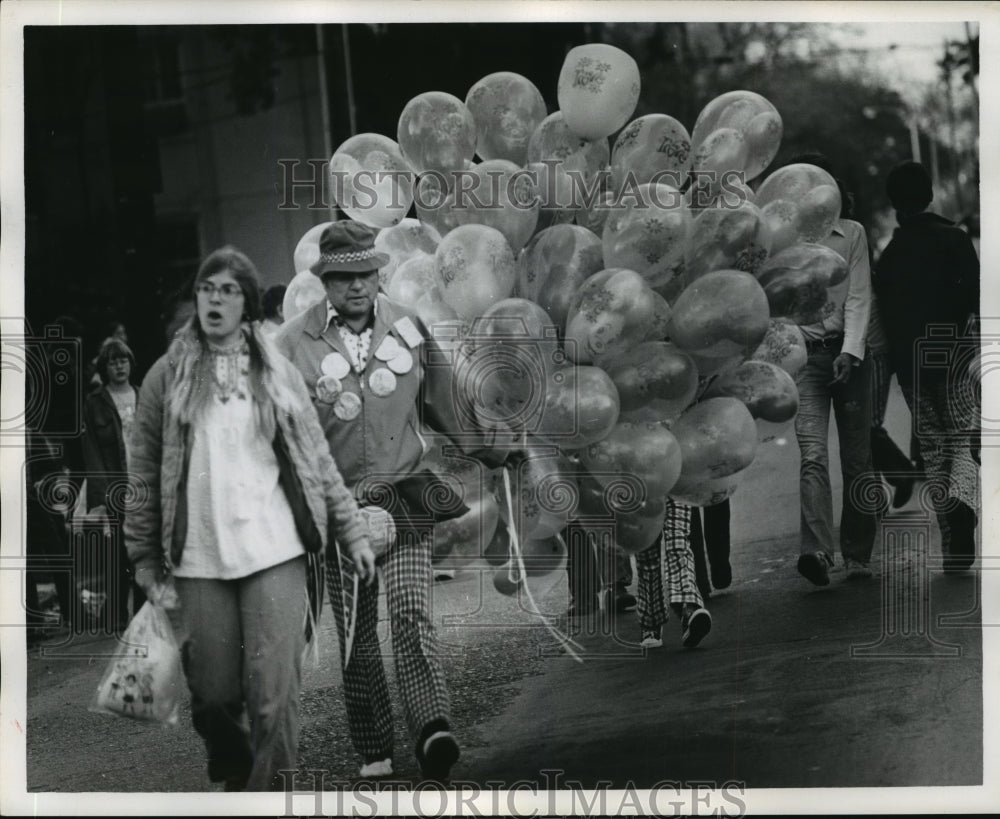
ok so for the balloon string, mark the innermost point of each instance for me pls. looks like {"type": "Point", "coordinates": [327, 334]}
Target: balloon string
{"type": "Point", "coordinates": [564, 640]}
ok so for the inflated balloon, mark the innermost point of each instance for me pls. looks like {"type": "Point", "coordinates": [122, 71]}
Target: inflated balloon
{"type": "Point", "coordinates": [782, 219]}
{"type": "Point", "coordinates": [783, 345]}
{"type": "Point", "coordinates": [566, 165]}
{"type": "Point", "coordinates": [647, 452]}
{"type": "Point", "coordinates": [507, 108]}
{"type": "Point", "coordinates": [649, 234]}
{"type": "Point", "coordinates": [598, 89]}
{"type": "Point", "coordinates": [476, 268]}
{"type": "Point", "coordinates": [656, 381]}
{"type": "Point", "coordinates": [618, 494]}
{"type": "Point", "coordinates": [580, 407]}
{"type": "Point", "coordinates": [724, 313]}
{"type": "Point", "coordinates": [594, 214]}
{"type": "Point", "coordinates": [727, 238]}
{"type": "Point", "coordinates": [501, 195]}
{"type": "Point", "coordinates": [436, 132]}
{"type": "Point", "coordinates": [416, 284]}
{"type": "Point", "coordinates": [816, 200]}
{"type": "Point", "coordinates": [402, 242]}
{"type": "Point", "coordinates": [661, 318]}
{"type": "Point", "coordinates": [720, 157]}
{"type": "Point", "coordinates": [554, 265]}
{"type": "Point", "coordinates": [638, 531]}
{"type": "Point", "coordinates": [753, 117]}
{"type": "Point", "coordinates": [731, 193]}
{"type": "Point", "coordinates": [766, 390]}
{"type": "Point", "coordinates": [434, 201]}
{"type": "Point", "coordinates": [543, 492]}
{"type": "Point", "coordinates": [703, 491]}
{"type": "Point", "coordinates": [612, 312]}
{"type": "Point", "coordinates": [371, 182]}
{"type": "Point", "coordinates": [653, 148]}
{"type": "Point", "coordinates": [512, 350]}
{"type": "Point", "coordinates": [461, 540]}
{"type": "Point", "coordinates": [796, 280]}
{"type": "Point", "coordinates": [508, 579]}
{"type": "Point", "coordinates": [717, 437]}
{"type": "Point", "coordinates": [307, 250]}
{"type": "Point", "coordinates": [303, 291]}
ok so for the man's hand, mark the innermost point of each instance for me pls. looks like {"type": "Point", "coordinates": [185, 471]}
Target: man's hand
{"type": "Point", "coordinates": [159, 589]}
{"type": "Point", "coordinates": [842, 366]}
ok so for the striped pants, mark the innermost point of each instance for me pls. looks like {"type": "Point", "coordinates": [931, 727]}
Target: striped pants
{"type": "Point", "coordinates": [407, 576]}
{"type": "Point", "coordinates": [666, 570]}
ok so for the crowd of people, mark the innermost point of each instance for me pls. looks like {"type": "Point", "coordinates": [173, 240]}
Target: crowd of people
{"type": "Point", "coordinates": [281, 459]}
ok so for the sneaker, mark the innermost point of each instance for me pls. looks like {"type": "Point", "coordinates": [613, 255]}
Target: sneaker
{"type": "Point", "coordinates": [651, 639]}
{"type": "Point", "coordinates": [856, 569]}
{"type": "Point", "coordinates": [440, 751]}
{"type": "Point", "coordinates": [377, 769]}
{"type": "Point", "coordinates": [444, 574]}
{"type": "Point", "coordinates": [624, 601]}
{"type": "Point", "coordinates": [815, 567]}
{"type": "Point", "coordinates": [696, 623]}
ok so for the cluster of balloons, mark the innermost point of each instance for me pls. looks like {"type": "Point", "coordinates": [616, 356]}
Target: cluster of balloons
{"type": "Point", "coordinates": [627, 312]}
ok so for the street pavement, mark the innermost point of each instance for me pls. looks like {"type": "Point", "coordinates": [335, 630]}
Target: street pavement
{"type": "Point", "coordinates": [874, 683]}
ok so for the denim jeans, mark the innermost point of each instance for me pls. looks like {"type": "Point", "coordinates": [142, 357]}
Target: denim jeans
{"type": "Point", "coordinates": [852, 410]}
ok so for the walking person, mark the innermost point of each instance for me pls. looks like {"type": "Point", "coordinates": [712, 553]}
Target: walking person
{"type": "Point", "coordinates": [368, 365]}
{"type": "Point", "coordinates": [239, 492]}
{"type": "Point", "coordinates": [836, 375]}
{"type": "Point", "coordinates": [109, 420]}
{"type": "Point", "coordinates": [928, 285]}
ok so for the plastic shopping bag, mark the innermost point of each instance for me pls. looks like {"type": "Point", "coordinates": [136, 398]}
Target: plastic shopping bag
{"type": "Point", "coordinates": [144, 680]}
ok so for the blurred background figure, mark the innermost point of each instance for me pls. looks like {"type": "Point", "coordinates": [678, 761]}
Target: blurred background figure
{"type": "Point", "coordinates": [274, 313]}
{"type": "Point", "coordinates": [109, 418]}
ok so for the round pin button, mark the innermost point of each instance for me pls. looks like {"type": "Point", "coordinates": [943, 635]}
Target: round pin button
{"type": "Point", "coordinates": [382, 382]}
{"type": "Point", "coordinates": [388, 349]}
{"type": "Point", "coordinates": [347, 406]}
{"type": "Point", "coordinates": [402, 362]}
{"type": "Point", "coordinates": [328, 388]}
{"type": "Point", "coordinates": [336, 365]}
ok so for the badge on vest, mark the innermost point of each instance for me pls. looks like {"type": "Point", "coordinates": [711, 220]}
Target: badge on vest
{"type": "Point", "coordinates": [347, 407]}
{"type": "Point", "coordinates": [382, 382]}
{"type": "Point", "coordinates": [409, 332]}
{"type": "Point", "coordinates": [401, 363]}
{"type": "Point", "coordinates": [388, 349]}
{"type": "Point", "coordinates": [335, 365]}
{"type": "Point", "coordinates": [328, 388]}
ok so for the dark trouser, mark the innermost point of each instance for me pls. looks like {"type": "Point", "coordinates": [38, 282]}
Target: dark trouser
{"type": "Point", "coordinates": [710, 533]}
{"type": "Point", "coordinates": [852, 411]}
{"type": "Point", "coordinates": [48, 551]}
{"type": "Point", "coordinates": [887, 458]}
{"type": "Point", "coordinates": [586, 575]}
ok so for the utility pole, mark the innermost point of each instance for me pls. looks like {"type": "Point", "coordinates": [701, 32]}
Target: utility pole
{"type": "Point", "coordinates": [324, 103]}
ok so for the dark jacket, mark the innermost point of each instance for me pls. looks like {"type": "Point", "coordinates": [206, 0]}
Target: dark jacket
{"type": "Point", "coordinates": [103, 447]}
{"type": "Point", "coordinates": [927, 275]}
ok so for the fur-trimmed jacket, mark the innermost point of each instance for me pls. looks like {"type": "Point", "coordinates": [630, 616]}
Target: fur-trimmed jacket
{"type": "Point", "coordinates": [156, 523]}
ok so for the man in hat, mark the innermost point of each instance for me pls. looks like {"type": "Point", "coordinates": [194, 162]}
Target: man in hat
{"type": "Point", "coordinates": [369, 366]}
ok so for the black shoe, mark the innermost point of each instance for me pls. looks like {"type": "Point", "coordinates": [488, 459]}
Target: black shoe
{"type": "Point", "coordinates": [722, 576]}
{"type": "Point", "coordinates": [695, 624]}
{"type": "Point", "coordinates": [815, 567]}
{"type": "Point", "coordinates": [624, 601]}
{"type": "Point", "coordinates": [903, 492]}
{"type": "Point", "coordinates": [955, 564]}
{"type": "Point", "coordinates": [438, 753]}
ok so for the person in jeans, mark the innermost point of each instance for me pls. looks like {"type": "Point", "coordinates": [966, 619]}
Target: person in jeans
{"type": "Point", "coordinates": [836, 375]}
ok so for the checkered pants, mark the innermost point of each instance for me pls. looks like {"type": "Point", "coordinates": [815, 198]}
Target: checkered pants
{"type": "Point", "coordinates": [666, 570]}
{"type": "Point", "coordinates": [407, 576]}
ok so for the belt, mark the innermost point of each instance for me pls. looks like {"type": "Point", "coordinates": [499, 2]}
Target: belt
{"type": "Point", "coordinates": [832, 343]}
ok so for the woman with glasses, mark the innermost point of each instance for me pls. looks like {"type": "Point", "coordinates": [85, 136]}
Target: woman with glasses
{"type": "Point", "coordinates": [237, 485]}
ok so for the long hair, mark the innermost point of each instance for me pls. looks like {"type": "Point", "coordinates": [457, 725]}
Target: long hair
{"type": "Point", "coordinates": [192, 385]}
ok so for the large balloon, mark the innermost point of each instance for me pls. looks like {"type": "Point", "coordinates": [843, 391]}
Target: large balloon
{"type": "Point", "coordinates": [783, 345]}
{"type": "Point", "coordinates": [653, 148]}
{"type": "Point", "coordinates": [417, 285]}
{"type": "Point", "coordinates": [580, 408]}
{"type": "Point", "coordinates": [717, 437]}
{"type": "Point", "coordinates": [371, 181]}
{"type": "Point", "coordinates": [554, 265]}
{"type": "Point", "coordinates": [544, 494]}
{"type": "Point", "coordinates": [476, 268]}
{"type": "Point", "coordinates": [726, 238]}
{"type": "Point", "coordinates": [704, 491]}
{"type": "Point", "coordinates": [801, 203]}
{"type": "Point", "coordinates": [721, 314]}
{"type": "Point", "coordinates": [303, 291]}
{"type": "Point", "coordinates": [649, 234]}
{"type": "Point", "coordinates": [461, 540]}
{"type": "Point", "coordinates": [566, 165]}
{"type": "Point", "coordinates": [718, 159]}
{"type": "Point", "coordinates": [499, 194]}
{"type": "Point", "coordinates": [307, 250]}
{"type": "Point", "coordinates": [637, 532]}
{"type": "Point", "coordinates": [796, 280]}
{"type": "Point", "coordinates": [766, 390]}
{"type": "Point", "coordinates": [598, 89]}
{"type": "Point", "coordinates": [434, 201]}
{"type": "Point", "coordinates": [656, 381]}
{"type": "Point", "coordinates": [402, 242]}
{"type": "Point", "coordinates": [750, 115]}
{"type": "Point", "coordinates": [611, 313]}
{"type": "Point", "coordinates": [507, 108]}
{"type": "Point", "coordinates": [436, 132]}
{"type": "Point", "coordinates": [647, 452]}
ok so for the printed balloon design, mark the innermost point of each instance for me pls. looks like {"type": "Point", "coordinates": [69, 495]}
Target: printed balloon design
{"type": "Point", "coordinates": [612, 312]}
{"type": "Point", "coordinates": [506, 108]}
{"type": "Point", "coordinates": [370, 180]}
{"type": "Point", "coordinates": [476, 268]}
{"type": "Point", "coordinates": [566, 165]}
{"type": "Point", "coordinates": [749, 115]}
{"type": "Point", "coordinates": [498, 194]}
{"type": "Point", "coordinates": [436, 132]}
{"type": "Point", "coordinates": [598, 89]}
{"type": "Point", "coordinates": [653, 148]}
{"type": "Point", "coordinates": [402, 242]}
{"type": "Point", "coordinates": [801, 203]}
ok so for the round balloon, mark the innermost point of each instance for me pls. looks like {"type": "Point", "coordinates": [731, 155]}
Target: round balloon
{"type": "Point", "coordinates": [506, 108]}
{"type": "Point", "coordinates": [501, 195]}
{"type": "Point", "coordinates": [726, 238]}
{"type": "Point", "coordinates": [783, 345]}
{"type": "Point", "coordinates": [307, 250]}
{"type": "Point", "coordinates": [612, 312]}
{"type": "Point", "coordinates": [717, 437]}
{"type": "Point", "coordinates": [653, 148]}
{"type": "Point", "coordinates": [649, 453]}
{"type": "Point", "coordinates": [434, 202]}
{"type": "Point", "coordinates": [810, 204]}
{"type": "Point", "coordinates": [796, 281]}
{"type": "Point", "coordinates": [766, 390]}
{"type": "Point", "coordinates": [436, 132]}
{"type": "Point", "coordinates": [580, 407]}
{"type": "Point", "coordinates": [544, 496]}
{"type": "Point", "coordinates": [656, 381]}
{"type": "Point", "coordinates": [476, 268]}
{"type": "Point", "coordinates": [303, 291]}
{"type": "Point", "coordinates": [567, 166]}
{"type": "Point", "coordinates": [371, 182]}
{"type": "Point", "coordinates": [753, 117]}
{"type": "Point", "coordinates": [704, 491]}
{"type": "Point", "coordinates": [402, 242]}
{"type": "Point", "coordinates": [598, 89]}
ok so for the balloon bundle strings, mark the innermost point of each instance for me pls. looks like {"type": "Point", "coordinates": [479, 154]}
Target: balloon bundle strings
{"type": "Point", "coordinates": [566, 642]}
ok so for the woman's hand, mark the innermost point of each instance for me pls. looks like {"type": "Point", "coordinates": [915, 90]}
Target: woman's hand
{"type": "Point", "coordinates": [364, 563]}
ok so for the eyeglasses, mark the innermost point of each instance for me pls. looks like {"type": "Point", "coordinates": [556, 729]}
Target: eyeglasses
{"type": "Point", "coordinates": [227, 290]}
